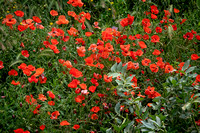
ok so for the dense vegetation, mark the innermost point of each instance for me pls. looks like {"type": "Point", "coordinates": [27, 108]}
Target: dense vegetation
{"type": "Point", "coordinates": [100, 66]}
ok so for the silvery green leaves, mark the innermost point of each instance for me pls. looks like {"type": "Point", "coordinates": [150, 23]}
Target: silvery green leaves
{"type": "Point", "coordinates": [119, 71]}
{"type": "Point", "coordinates": [152, 126]}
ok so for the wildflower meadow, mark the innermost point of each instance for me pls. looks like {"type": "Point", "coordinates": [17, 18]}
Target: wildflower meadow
{"type": "Point", "coordinates": [100, 66]}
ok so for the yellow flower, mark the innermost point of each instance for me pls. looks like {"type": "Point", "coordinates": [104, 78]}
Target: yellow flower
{"type": "Point", "coordinates": [111, 3]}
{"type": "Point", "coordinates": [109, 8]}
{"type": "Point", "coordinates": [14, 7]}
{"type": "Point", "coordinates": [51, 23]}
{"type": "Point", "coordinates": [21, 23]}
{"type": "Point", "coordinates": [8, 11]}
{"type": "Point", "coordinates": [91, 0]}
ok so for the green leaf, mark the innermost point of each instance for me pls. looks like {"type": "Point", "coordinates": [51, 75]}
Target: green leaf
{"type": "Point", "coordinates": [190, 69]}
{"type": "Point", "coordinates": [148, 125]}
{"type": "Point", "coordinates": [114, 75]}
{"type": "Point", "coordinates": [158, 121]}
{"type": "Point", "coordinates": [197, 100]}
{"type": "Point", "coordinates": [138, 99]}
{"type": "Point", "coordinates": [196, 95]}
{"type": "Point", "coordinates": [186, 106]}
{"type": "Point", "coordinates": [131, 109]}
{"type": "Point", "coordinates": [129, 127]}
{"type": "Point", "coordinates": [119, 82]}
{"type": "Point", "coordinates": [124, 69]}
{"type": "Point", "coordinates": [193, 75]}
{"type": "Point", "coordinates": [117, 108]}
{"type": "Point", "coordinates": [113, 68]}
{"type": "Point", "coordinates": [186, 65]}
{"type": "Point", "coordinates": [128, 79]}
{"type": "Point", "coordinates": [109, 130]}
{"type": "Point", "coordinates": [198, 3]}
{"type": "Point", "coordinates": [15, 62]}
{"type": "Point", "coordinates": [118, 120]}
{"type": "Point", "coordinates": [115, 127]}
{"type": "Point", "coordinates": [119, 67]}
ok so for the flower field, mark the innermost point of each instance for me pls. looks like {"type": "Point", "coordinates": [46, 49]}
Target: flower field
{"type": "Point", "coordinates": [99, 67]}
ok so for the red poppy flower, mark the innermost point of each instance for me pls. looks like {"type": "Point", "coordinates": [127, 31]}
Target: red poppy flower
{"type": "Point", "coordinates": [95, 109]}
{"type": "Point", "coordinates": [156, 52]}
{"type": "Point", "coordinates": [107, 79]}
{"type": "Point", "coordinates": [155, 38]}
{"type": "Point", "coordinates": [153, 16]}
{"type": "Point", "coordinates": [51, 103]}
{"type": "Point", "coordinates": [75, 72]}
{"type": "Point", "coordinates": [83, 86]}
{"type": "Point", "coordinates": [19, 13]}
{"type": "Point", "coordinates": [198, 37]}
{"type": "Point", "coordinates": [76, 3]}
{"type": "Point", "coordinates": [31, 100]}
{"type": "Point", "coordinates": [92, 89]}
{"type": "Point", "coordinates": [54, 41]}
{"type": "Point", "coordinates": [72, 31]}
{"type": "Point", "coordinates": [154, 68]}
{"type": "Point", "coordinates": [42, 127]}
{"type": "Point", "coordinates": [62, 20]}
{"type": "Point", "coordinates": [25, 53]}
{"type": "Point", "coordinates": [81, 51]}
{"type": "Point", "coordinates": [194, 57]}
{"type": "Point", "coordinates": [32, 79]}
{"type": "Point", "coordinates": [74, 83]}
{"type": "Point", "coordinates": [146, 37]}
{"type": "Point", "coordinates": [76, 127]}
{"type": "Point", "coordinates": [158, 30]}
{"type": "Point", "coordinates": [13, 72]}
{"type": "Point", "coordinates": [51, 94]}
{"type": "Point", "coordinates": [198, 78]}
{"type": "Point", "coordinates": [71, 13]}
{"type": "Point", "coordinates": [154, 9]}
{"type": "Point", "coordinates": [183, 21]}
{"type": "Point", "coordinates": [37, 19]}
{"type": "Point", "coordinates": [188, 36]}
{"type": "Point", "coordinates": [168, 69]}
{"type": "Point", "coordinates": [42, 79]}
{"type": "Point", "coordinates": [68, 64]}
{"type": "Point", "coordinates": [1, 65]}
{"type": "Point", "coordinates": [42, 97]}
{"type": "Point", "coordinates": [142, 45]}
{"type": "Point", "coordinates": [88, 34]}
{"type": "Point", "coordinates": [53, 13]}
{"type": "Point", "coordinates": [39, 71]}
{"type": "Point", "coordinates": [79, 98]}
{"type": "Point", "coordinates": [145, 62]}
{"type": "Point", "coordinates": [64, 123]}
{"type": "Point", "coordinates": [55, 115]}
{"type": "Point", "coordinates": [94, 116]}
{"type": "Point", "coordinates": [176, 10]}
{"type": "Point", "coordinates": [15, 83]}
{"type": "Point", "coordinates": [20, 130]}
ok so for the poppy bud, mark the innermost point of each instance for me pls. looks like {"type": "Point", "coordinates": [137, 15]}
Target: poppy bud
{"type": "Point", "coordinates": [144, 51]}
{"type": "Point", "coordinates": [36, 130]}
{"type": "Point", "coordinates": [59, 97]}
{"type": "Point", "coordinates": [110, 105]}
{"type": "Point", "coordinates": [13, 116]}
{"type": "Point", "coordinates": [20, 104]}
{"type": "Point", "coordinates": [74, 111]}
{"type": "Point", "coordinates": [106, 107]}
{"type": "Point", "coordinates": [3, 97]}
{"type": "Point", "coordinates": [49, 64]}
